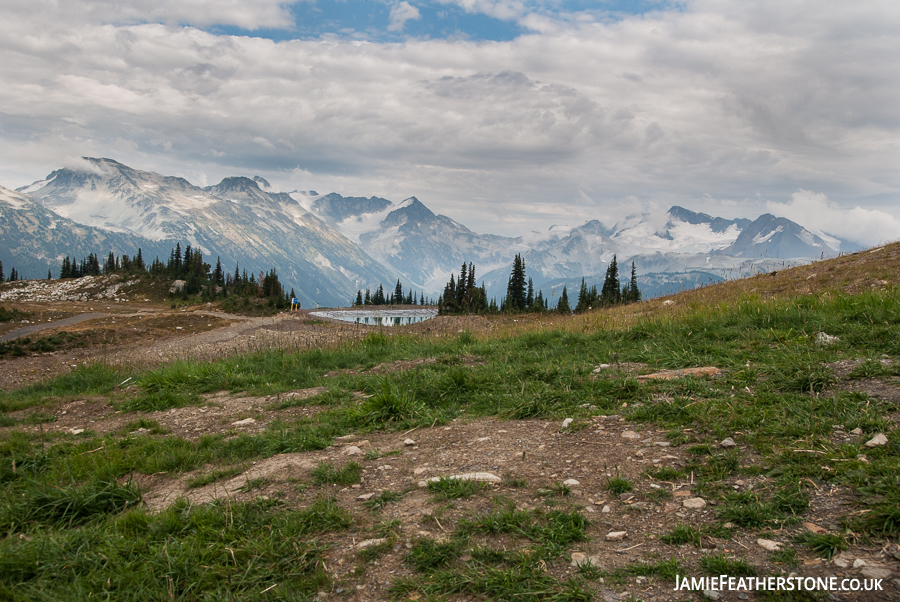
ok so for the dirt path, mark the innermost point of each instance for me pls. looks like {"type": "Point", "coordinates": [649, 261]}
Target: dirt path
{"type": "Point", "coordinates": [25, 331]}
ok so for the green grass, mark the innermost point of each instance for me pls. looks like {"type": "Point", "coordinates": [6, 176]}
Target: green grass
{"type": "Point", "coordinates": [236, 550]}
{"type": "Point", "coordinates": [383, 499]}
{"type": "Point", "coordinates": [66, 491]}
{"type": "Point", "coordinates": [451, 489]}
{"type": "Point", "coordinates": [720, 564]}
{"type": "Point", "coordinates": [348, 474]}
{"type": "Point", "coordinates": [618, 485]}
{"type": "Point", "coordinates": [213, 476]}
{"type": "Point", "coordinates": [826, 545]}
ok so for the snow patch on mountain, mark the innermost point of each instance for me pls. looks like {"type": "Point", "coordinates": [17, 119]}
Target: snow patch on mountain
{"type": "Point", "coordinates": [761, 237]}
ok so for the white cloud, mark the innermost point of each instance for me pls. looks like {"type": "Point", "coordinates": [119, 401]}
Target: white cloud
{"type": "Point", "coordinates": [507, 10]}
{"type": "Point", "coordinates": [815, 212]}
{"type": "Point", "coordinates": [401, 12]}
{"type": "Point", "coordinates": [723, 98]}
{"type": "Point", "coordinates": [247, 14]}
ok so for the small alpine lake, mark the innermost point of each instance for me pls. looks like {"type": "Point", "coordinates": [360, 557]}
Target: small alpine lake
{"type": "Point", "coordinates": [378, 317]}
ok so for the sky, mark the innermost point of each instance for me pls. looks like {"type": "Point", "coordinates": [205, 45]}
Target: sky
{"type": "Point", "coordinates": [506, 115]}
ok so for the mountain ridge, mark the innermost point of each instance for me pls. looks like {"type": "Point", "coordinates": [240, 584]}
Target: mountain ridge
{"type": "Point", "coordinates": [330, 245]}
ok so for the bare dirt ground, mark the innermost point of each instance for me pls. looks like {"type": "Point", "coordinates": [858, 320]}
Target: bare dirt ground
{"type": "Point", "coordinates": [531, 458]}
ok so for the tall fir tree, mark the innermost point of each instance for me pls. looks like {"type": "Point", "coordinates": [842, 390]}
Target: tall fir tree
{"type": "Point", "coordinates": [633, 291]}
{"type": "Point", "coordinates": [563, 305]}
{"type": "Point", "coordinates": [1, 271]}
{"type": "Point", "coordinates": [515, 288]}
{"type": "Point", "coordinates": [611, 291]}
{"type": "Point", "coordinates": [397, 299]}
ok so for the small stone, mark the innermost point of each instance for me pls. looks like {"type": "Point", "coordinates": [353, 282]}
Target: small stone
{"type": "Point", "coordinates": [606, 510]}
{"type": "Point", "coordinates": [826, 339]}
{"type": "Point", "coordinates": [840, 562]}
{"type": "Point", "coordinates": [566, 423]}
{"type": "Point", "coordinates": [76, 431]}
{"type": "Point", "coordinates": [662, 443]}
{"type": "Point", "coordinates": [857, 431]}
{"type": "Point", "coordinates": [682, 494]}
{"type": "Point", "coordinates": [419, 471]}
{"type": "Point", "coordinates": [578, 558]}
{"type": "Point", "coordinates": [244, 422]}
{"type": "Point", "coordinates": [859, 563]}
{"type": "Point", "coordinates": [640, 505]}
{"type": "Point", "coordinates": [365, 496]}
{"type": "Point", "coordinates": [352, 450]}
{"type": "Point", "coordinates": [616, 535]}
{"type": "Point", "coordinates": [408, 442]}
{"type": "Point", "coordinates": [694, 503]}
{"type": "Point", "coordinates": [363, 444]}
{"type": "Point", "coordinates": [422, 484]}
{"type": "Point", "coordinates": [471, 476]}
{"type": "Point", "coordinates": [712, 594]}
{"type": "Point", "coordinates": [630, 435]}
{"type": "Point", "coordinates": [589, 509]}
{"type": "Point", "coordinates": [371, 542]}
{"type": "Point", "coordinates": [728, 443]}
{"type": "Point", "coordinates": [877, 441]}
{"type": "Point", "coordinates": [768, 544]}
{"type": "Point", "coordinates": [571, 483]}
{"type": "Point", "coordinates": [876, 572]}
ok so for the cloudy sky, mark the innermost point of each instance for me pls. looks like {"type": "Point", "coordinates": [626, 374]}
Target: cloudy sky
{"type": "Point", "coordinates": [506, 115]}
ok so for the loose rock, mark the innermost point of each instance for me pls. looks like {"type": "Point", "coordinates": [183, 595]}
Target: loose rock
{"type": "Point", "coordinates": [352, 450]}
{"type": "Point", "coordinates": [616, 535]}
{"type": "Point", "coordinates": [877, 440]}
{"type": "Point", "coordinates": [694, 503]}
{"type": "Point", "coordinates": [768, 544]}
{"type": "Point", "coordinates": [567, 422]}
{"type": "Point", "coordinates": [728, 443]}
{"type": "Point", "coordinates": [470, 476]}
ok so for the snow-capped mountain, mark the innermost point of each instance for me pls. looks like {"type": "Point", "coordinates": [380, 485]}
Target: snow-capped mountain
{"type": "Point", "coordinates": [426, 248]}
{"type": "Point", "coordinates": [422, 247]}
{"type": "Point", "coordinates": [328, 246]}
{"type": "Point", "coordinates": [234, 219]}
{"type": "Point", "coordinates": [34, 239]}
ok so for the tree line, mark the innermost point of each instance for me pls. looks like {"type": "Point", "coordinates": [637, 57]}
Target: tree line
{"type": "Point", "coordinates": [462, 296]}
{"type": "Point", "coordinates": [398, 297]}
{"type": "Point", "coordinates": [188, 265]}
{"type": "Point", "coordinates": [13, 275]}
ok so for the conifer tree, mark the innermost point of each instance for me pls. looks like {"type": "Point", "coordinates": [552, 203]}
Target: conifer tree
{"type": "Point", "coordinates": [49, 275]}
{"type": "Point", "coordinates": [422, 298]}
{"type": "Point", "coordinates": [397, 299]}
{"type": "Point", "coordinates": [359, 299]}
{"type": "Point", "coordinates": [368, 298]}
{"type": "Point", "coordinates": [515, 288]}
{"type": "Point", "coordinates": [529, 297]}
{"type": "Point", "coordinates": [611, 291]}
{"type": "Point", "coordinates": [563, 305]}
{"type": "Point", "coordinates": [633, 290]}
{"type": "Point", "coordinates": [1, 271]}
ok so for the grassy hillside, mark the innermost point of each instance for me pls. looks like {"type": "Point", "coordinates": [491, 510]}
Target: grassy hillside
{"type": "Point", "coordinates": [789, 398]}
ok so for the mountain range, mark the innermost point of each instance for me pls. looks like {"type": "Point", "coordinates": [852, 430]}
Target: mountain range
{"type": "Point", "coordinates": [328, 246]}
